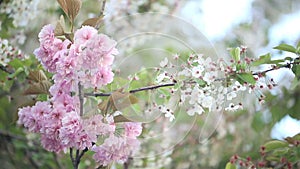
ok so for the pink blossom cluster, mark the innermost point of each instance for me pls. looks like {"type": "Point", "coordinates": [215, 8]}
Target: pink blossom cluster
{"type": "Point", "coordinates": [61, 127]}
{"type": "Point", "coordinates": [119, 148]}
{"type": "Point", "coordinates": [87, 60]}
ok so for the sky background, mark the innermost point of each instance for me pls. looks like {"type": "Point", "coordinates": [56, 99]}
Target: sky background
{"type": "Point", "coordinates": [215, 18]}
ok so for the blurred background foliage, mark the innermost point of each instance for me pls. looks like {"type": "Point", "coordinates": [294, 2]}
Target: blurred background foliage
{"type": "Point", "coordinates": [242, 132]}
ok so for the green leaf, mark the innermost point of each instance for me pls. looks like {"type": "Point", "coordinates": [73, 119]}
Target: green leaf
{"type": "Point", "coordinates": [298, 48]}
{"type": "Point", "coordinates": [296, 71]}
{"type": "Point", "coordinates": [296, 137]}
{"type": "Point", "coordinates": [286, 47]}
{"type": "Point", "coordinates": [245, 77]}
{"type": "Point", "coordinates": [281, 151]}
{"type": "Point", "coordinates": [235, 54]}
{"type": "Point", "coordinates": [7, 85]}
{"type": "Point", "coordinates": [272, 158]}
{"type": "Point", "coordinates": [42, 97]}
{"type": "Point", "coordinates": [165, 92]}
{"type": "Point", "coordinates": [201, 82]}
{"type": "Point", "coordinates": [18, 71]}
{"type": "Point", "coordinates": [230, 166]}
{"type": "Point", "coordinates": [288, 59]}
{"type": "Point", "coordinates": [275, 144]}
{"type": "Point", "coordinates": [16, 63]}
{"type": "Point", "coordinates": [276, 61]}
{"type": "Point", "coordinates": [263, 59]}
{"type": "Point", "coordinates": [177, 85]}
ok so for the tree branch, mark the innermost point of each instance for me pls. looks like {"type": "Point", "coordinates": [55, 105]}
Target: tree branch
{"type": "Point", "coordinates": [134, 90]}
{"type": "Point", "coordinates": [4, 69]}
{"type": "Point", "coordinates": [82, 153]}
{"type": "Point", "coordinates": [288, 65]}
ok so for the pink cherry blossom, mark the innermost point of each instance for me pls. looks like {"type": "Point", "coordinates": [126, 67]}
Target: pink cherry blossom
{"type": "Point", "coordinates": [46, 36]}
{"type": "Point", "coordinates": [51, 48]}
{"type": "Point", "coordinates": [103, 76]}
{"type": "Point", "coordinates": [97, 126]}
{"type": "Point", "coordinates": [82, 35]}
{"type": "Point", "coordinates": [132, 129]}
{"type": "Point", "coordinates": [26, 118]}
{"type": "Point", "coordinates": [114, 149]}
{"type": "Point", "coordinates": [71, 126]}
{"type": "Point", "coordinates": [83, 141]}
{"type": "Point", "coordinates": [99, 51]}
{"type": "Point", "coordinates": [51, 144]}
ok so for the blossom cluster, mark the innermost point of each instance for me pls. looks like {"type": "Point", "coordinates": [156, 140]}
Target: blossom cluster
{"type": "Point", "coordinates": [202, 83]}
{"type": "Point", "coordinates": [8, 52]}
{"type": "Point", "coordinates": [117, 148]}
{"type": "Point", "coordinates": [86, 61]}
{"type": "Point", "coordinates": [61, 127]}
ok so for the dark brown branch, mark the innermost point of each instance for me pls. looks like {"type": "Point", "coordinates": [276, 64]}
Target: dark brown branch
{"type": "Point", "coordinates": [288, 65]}
{"type": "Point", "coordinates": [82, 153]}
{"type": "Point", "coordinates": [134, 90]}
{"type": "Point", "coordinates": [127, 163]}
{"type": "Point", "coordinates": [71, 156]}
{"type": "Point", "coordinates": [152, 87]}
{"type": "Point", "coordinates": [4, 69]}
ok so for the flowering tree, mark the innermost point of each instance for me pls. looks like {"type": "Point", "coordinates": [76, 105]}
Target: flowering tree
{"type": "Point", "coordinates": [85, 105]}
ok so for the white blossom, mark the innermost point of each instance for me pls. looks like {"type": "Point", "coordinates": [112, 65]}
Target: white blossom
{"type": "Point", "coordinates": [231, 95]}
{"type": "Point", "coordinates": [197, 71]}
{"type": "Point", "coordinates": [164, 63]}
{"type": "Point", "coordinates": [196, 109]}
{"type": "Point", "coordinates": [161, 77]}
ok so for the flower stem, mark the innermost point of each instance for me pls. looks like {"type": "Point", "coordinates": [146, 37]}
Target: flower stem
{"type": "Point", "coordinates": [80, 95]}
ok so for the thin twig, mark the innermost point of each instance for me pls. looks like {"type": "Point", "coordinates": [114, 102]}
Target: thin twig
{"type": "Point", "coordinates": [288, 65]}
{"type": "Point", "coordinates": [77, 154]}
{"type": "Point", "coordinates": [71, 156]}
{"type": "Point", "coordinates": [3, 68]}
{"type": "Point", "coordinates": [102, 8]}
{"type": "Point", "coordinates": [80, 98]}
{"type": "Point", "coordinates": [76, 160]}
{"type": "Point", "coordinates": [127, 163]}
{"type": "Point", "coordinates": [152, 87]}
{"type": "Point", "coordinates": [82, 153]}
{"type": "Point", "coordinates": [134, 90]}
